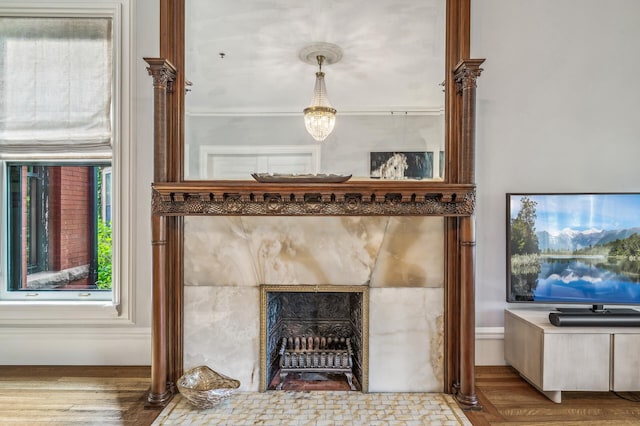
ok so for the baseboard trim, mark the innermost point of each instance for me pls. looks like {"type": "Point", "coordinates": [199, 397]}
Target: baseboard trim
{"type": "Point", "coordinates": [86, 346]}
{"type": "Point", "coordinates": [490, 346]}
{"type": "Point", "coordinates": [131, 346]}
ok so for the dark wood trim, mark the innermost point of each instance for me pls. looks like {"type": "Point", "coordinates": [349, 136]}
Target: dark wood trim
{"type": "Point", "coordinates": [466, 393]}
{"type": "Point", "coordinates": [176, 294]}
{"type": "Point", "coordinates": [163, 73]}
{"type": "Point", "coordinates": [459, 234]}
{"type": "Point", "coordinates": [362, 199]}
{"type": "Point", "coordinates": [452, 306]}
{"type": "Point", "coordinates": [457, 47]}
{"type": "Point", "coordinates": [172, 48]}
{"type": "Point", "coordinates": [454, 199]}
{"type": "Point", "coordinates": [161, 391]}
{"type": "Point", "coordinates": [466, 73]}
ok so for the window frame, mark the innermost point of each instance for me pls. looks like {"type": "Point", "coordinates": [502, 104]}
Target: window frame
{"type": "Point", "coordinates": [38, 178]}
{"type": "Point", "coordinates": [66, 310]}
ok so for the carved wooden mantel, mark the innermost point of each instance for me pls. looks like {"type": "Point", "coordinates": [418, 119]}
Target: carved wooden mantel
{"type": "Point", "coordinates": [173, 198]}
{"type": "Point", "coordinates": [363, 199]}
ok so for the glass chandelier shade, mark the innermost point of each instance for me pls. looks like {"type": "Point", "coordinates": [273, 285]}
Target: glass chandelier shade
{"type": "Point", "coordinates": [320, 116]}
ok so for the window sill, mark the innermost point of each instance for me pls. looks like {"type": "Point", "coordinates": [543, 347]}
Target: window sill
{"type": "Point", "coordinates": [63, 313]}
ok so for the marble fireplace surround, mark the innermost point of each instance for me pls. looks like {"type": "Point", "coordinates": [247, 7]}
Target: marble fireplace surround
{"type": "Point", "coordinates": [400, 260]}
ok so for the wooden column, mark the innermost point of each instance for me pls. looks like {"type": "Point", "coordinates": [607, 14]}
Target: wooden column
{"type": "Point", "coordinates": [466, 394]}
{"type": "Point", "coordinates": [466, 73]}
{"type": "Point", "coordinates": [457, 48]}
{"type": "Point", "coordinates": [172, 48]}
{"type": "Point", "coordinates": [163, 73]}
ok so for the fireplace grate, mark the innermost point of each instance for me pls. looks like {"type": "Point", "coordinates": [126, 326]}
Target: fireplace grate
{"type": "Point", "coordinates": [315, 354]}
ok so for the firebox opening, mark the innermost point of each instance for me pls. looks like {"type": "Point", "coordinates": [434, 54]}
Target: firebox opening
{"type": "Point", "coordinates": [314, 338]}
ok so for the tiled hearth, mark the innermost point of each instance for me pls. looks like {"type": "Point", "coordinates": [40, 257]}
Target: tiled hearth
{"type": "Point", "coordinates": [400, 259]}
{"type": "Point", "coordinates": [329, 408]}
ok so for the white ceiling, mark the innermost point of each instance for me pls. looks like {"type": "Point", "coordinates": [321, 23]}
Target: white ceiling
{"type": "Point", "coordinates": [393, 54]}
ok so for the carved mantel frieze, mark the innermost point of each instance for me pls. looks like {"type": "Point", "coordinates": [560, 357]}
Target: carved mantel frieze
{"type": "Point", "coordinates": [254, 200]}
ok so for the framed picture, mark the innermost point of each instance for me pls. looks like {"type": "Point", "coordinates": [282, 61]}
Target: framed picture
{"type": "Point", "coordinates": [402, 165]}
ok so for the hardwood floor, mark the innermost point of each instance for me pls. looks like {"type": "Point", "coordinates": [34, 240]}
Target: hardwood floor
{"type": "Point", "coordinates": [508, 400]}
{"type": "Point", "coordinates": [74, 395]}
{"type": "Point", "coordinates": [116, 396]}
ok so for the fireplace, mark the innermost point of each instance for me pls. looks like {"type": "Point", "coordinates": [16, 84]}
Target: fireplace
{"type": "Point", "coordinates": [316, 336]}
{"type": "Point", "coordinates": [418, 315]}
{"type": "Point", "coordinates": [394, 264]}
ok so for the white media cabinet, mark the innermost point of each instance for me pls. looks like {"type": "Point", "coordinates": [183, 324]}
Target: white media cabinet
{"type": "Point", "coordinates": [555, 359]}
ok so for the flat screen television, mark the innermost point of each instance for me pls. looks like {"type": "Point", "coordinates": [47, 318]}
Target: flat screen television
{"type": "Point", "coordinates": [574, 248]}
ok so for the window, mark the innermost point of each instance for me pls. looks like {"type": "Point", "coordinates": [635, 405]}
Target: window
{"type": "Point", "coordinates": [59, 229]}
{"type": "Point", "coordinates": [59, 109]}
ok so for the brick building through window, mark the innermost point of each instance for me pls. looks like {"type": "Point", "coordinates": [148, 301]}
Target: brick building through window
{"type": "Point", "coordinates": [56, 212]}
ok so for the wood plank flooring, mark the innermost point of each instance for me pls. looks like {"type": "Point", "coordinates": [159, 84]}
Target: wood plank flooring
{"type": "Point", "coordinates": [509, 400]}
{"type": "Point", "coordinates": [65, 395]}
{"type": "Point", "coordinates": [116, 396]}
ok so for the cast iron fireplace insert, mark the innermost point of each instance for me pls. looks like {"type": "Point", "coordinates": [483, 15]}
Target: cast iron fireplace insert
{"type": "Point", "coordinates": [314, 333]}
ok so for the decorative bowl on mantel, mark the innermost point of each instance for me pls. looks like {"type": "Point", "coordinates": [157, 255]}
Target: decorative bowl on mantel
{"type": "Point", "coordinates": [299, 178]}
{"type": "Point", "coordinates": [205, 388]}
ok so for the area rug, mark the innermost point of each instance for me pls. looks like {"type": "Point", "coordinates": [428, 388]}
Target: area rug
{"type": "Point", "coordinates": [322, 408]}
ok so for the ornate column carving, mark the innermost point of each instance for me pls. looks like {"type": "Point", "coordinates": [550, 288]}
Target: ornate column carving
{"type": "Point", "coordinates": [466, 74]}
{"type": "Point", "coordinates": [164, 74]}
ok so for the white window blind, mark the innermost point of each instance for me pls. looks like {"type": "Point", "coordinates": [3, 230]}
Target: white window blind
{"type": "Point", "coordinates": [55, 87]}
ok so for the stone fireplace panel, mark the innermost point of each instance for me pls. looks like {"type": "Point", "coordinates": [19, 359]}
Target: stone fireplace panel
{"type": "Point", "coordinates": [411, 254]}
{"type": "Point", "coordinates": [216, 252]}
{"type": "Point", "coordinates": [406, 340]}
{"type": "Point", "coordinates": [315, 250]}
{"type": "Point", "coordinates": [375, 251]}
{"type": "Point", "coordinates": [222, 326]}
{"type": "Point", "coordinates": [221, 330]}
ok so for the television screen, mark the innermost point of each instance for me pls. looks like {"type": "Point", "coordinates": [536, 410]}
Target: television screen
{"type": "Point", "coordinates": [573, 248]}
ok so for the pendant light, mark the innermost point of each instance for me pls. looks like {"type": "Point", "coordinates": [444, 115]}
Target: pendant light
{"type": "Point", "coordinates": [320, 116]}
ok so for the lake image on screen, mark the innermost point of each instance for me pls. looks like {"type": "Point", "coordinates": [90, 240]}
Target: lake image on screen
{"type": "Point", "coordinates": [574, 248]}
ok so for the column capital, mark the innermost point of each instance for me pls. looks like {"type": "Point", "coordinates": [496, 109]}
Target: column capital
{"type": "Point", "coordinates": [163, 73]}
{"type": "Point", "coordinates": [466, 73]}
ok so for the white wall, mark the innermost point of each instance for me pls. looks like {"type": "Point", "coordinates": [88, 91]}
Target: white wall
{"type": "Point", "coordinates": [129, 343]}
{"type": "Point", "coordinates": [147, 32]}
{"type": "Point", "coordinates": [345, 151]}
{"type": "Point", "coordinates": [557, 112]}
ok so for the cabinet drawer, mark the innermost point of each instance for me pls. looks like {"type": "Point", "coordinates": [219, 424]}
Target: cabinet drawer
{"type": "Point", "coordinates": [576, 362]}
{"type": "Point", "coordinates": [626, 362]}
